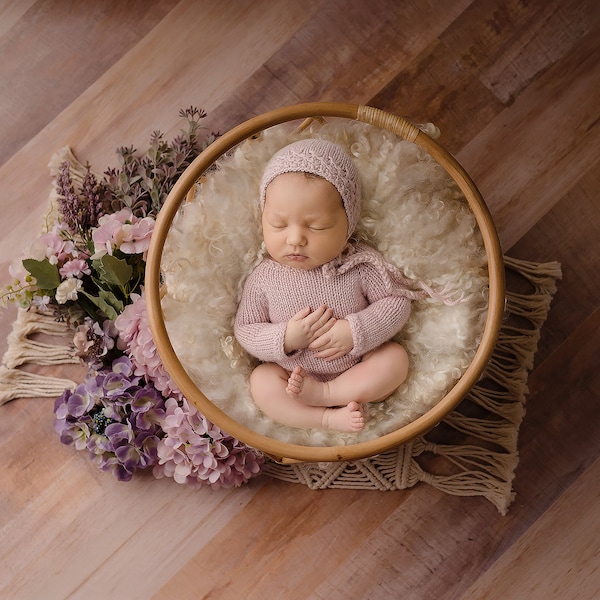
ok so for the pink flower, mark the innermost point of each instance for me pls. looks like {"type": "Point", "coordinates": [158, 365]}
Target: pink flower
{"type": "Point", "coordinates": [122, 230]}
{"type": "Point", "coordinates": [58, 249]}
{"type": "Point", "coordinates": [135, 336]}
{"type": "Point", "coordinates": [136, 236]}
{"type": "Point", "coordinates": [75, 268]}
{"type": "Point", "coordinates": [106, 234]}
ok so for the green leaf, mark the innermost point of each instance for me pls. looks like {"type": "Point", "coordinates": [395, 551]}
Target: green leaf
{"type": "Point", "coordinates": [46, 275]}
{"type": "Point", "coordinates": [113, 270]}
{"type": "Point", "coordinates": [108, 303]}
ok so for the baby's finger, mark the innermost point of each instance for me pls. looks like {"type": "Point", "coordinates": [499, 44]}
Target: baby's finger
{"type": "Point", "coordinates": [320, 343]}
{"type": "Point", "coordinates": [325, 323]}
{"type": "Point", "coordinates": [329, 354]}
{"type": "Point", "coordinates": [318, 317]}
{"type": "Point", "coordinates": [311, 316]}
{"type": "Point", "coordinates": [301, 314]}
{"type": "Point", "coordinates": [325, 328]}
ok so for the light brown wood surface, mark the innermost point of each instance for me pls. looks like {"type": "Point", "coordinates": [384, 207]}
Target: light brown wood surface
{"type": "Point", "coordinates": [515, 89]}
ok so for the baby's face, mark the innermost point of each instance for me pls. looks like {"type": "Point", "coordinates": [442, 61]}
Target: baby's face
{"type": "Point", "coordinates": [304, 221]}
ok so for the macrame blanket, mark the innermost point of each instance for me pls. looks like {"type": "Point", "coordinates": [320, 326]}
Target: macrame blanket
{"type": "Point", "coordinates": [473, 452]}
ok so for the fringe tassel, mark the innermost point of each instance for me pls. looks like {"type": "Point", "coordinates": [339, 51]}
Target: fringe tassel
{"type": "Point", "coordinates": [28, 351]}
{"type": "Point", "coordinates": [500, 432]}
{"type": "Point", "coordinates": [15, 383]}
{"type": "Point", "coordinates": [31, 321]}
{"type": "Point", "coordinates": [474, 483]}
{"type": "Point", "coordinates": [77, 170]}
{"type": "Point", "coordinates": [532, 308]}
{"type": "Point", "coordinates": [22, 349]}
{"type": "Point", "coordinates": [498, 403]}
{"type": "Point", "coordinates": [468, 457]}
{"type": "Point", "coordinates": [482, 471]}
{"type": "Point", "coordinates": [542, 275]}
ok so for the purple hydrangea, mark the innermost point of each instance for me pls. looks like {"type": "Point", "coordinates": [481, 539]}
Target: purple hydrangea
{"type": "Point", "coordinates": [116, 417]}
{"type": "Point", "coordinates": [196, 452]}
{"type": "Point", "coordinates": [193, 450]}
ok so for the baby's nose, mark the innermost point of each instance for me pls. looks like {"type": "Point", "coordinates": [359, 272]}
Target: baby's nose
{"type": "Point", "coordinates": [296, 236]}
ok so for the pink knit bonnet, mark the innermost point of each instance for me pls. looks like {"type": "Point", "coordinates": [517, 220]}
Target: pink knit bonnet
{"type": "Point", "coordinates": [322, 158]}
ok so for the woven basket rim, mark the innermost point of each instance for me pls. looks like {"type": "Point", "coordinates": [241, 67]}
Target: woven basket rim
{"type": "Point", "coordinates": [284, 451]}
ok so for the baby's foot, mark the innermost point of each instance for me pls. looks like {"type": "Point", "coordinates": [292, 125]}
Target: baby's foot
{"type": "Point", "coordinates": [347, 419]}
{"type": "Point", "coordinates": [296, 381]}
{"type": "Point", "coordinates": [304, 388]}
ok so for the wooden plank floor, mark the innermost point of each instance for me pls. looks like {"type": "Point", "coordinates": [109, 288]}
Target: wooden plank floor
{"type": "Point", "coordinates": [515, 88]}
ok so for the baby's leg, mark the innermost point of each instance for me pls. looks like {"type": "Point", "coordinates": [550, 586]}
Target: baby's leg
{"type": "Point", "coordinates": [268, 384]}
{"type": "Point", "coordinates": [373, 379]}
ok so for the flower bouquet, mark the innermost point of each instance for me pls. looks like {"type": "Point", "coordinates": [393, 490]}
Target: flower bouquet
{"type": "Point", "coordinates": [87, 269]}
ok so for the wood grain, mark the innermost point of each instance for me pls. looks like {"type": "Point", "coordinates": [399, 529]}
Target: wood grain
{"type": "Point", "coordinates": [538, 560]}
{"type": "Point", "coordinates": [514, 87]}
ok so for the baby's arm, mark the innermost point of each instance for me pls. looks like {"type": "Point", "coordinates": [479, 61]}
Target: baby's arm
{"type": "Point", "coordinates": [306, 326]}
{"type": "Point", "coordinates": [253, 329]}
{"type": "Point", "coordinates": [378, 323]}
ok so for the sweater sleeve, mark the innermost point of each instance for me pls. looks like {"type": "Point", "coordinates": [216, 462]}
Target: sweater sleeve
{"type": "Point", "coordinates": [387, 313]}
{"type": "Point", "coordinates": [252, 328]}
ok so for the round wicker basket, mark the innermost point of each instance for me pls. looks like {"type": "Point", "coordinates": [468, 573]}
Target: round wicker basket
{"type": "Point", "coordinates": [282, 451]}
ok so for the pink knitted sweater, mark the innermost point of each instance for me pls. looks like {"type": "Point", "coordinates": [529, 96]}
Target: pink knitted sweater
{"type": "Point", "coordinates": [360, 287]}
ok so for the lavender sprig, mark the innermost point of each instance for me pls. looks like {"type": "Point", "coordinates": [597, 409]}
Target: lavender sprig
{"type": "Point", "coordinates": [142, 183]}
{"type": "Point", "coordinates": [79, 209]}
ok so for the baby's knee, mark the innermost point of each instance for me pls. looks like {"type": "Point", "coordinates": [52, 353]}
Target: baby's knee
{"type": "Point", "coordinates": [398, 358]}
{"type": "Point", "coordinates": [265, 376]}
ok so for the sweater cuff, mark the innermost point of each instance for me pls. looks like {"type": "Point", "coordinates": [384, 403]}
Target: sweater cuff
{"type": "Point", "coordinates": [279, 343]}
{"type": "Point", "coordinates": [357, 336]}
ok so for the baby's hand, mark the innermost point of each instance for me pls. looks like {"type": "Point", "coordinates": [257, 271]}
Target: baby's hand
{"type": "Point", "coordinates": [334, 343]}
{"type": "Point", "coordinates": [306, 326]}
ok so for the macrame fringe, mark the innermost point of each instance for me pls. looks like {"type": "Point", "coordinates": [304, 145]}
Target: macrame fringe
{"type": "Point", "coordinates": [22, 349]}
{"type": "Point", "coordinates": [485, 461]}
{"type": "Point", "coordinates": [15, 383]}
{"type": "Point", "coordinates": [542, 275]}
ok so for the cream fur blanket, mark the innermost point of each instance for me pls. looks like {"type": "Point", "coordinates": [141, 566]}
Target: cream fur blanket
{"type": "Point", "coordinates": [412, 212]}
